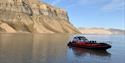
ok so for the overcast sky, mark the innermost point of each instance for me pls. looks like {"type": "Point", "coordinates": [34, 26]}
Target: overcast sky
{"type": "Point", "coordinates": [93, 13]}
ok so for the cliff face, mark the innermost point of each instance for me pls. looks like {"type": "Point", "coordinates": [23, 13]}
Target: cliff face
{"type": "Point", "coordinates": [33, 16]}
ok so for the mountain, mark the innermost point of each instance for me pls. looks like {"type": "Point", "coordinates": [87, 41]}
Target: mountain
{"type": "Point", "coordinates": [33, 16]}
{"type": "Point", "coordinates": [99, 31]}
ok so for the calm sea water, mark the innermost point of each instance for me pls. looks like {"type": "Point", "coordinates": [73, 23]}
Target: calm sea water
{"type": "Point", "coordinates": [52, 48]}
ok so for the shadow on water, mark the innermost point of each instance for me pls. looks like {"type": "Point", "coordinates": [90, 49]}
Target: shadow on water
{"type": "Point", "coordinates": [33, 48]}
{"type": "Point", "coordinates": [82, 55]}
{"type": "Point", "coordinates": [84, 52]}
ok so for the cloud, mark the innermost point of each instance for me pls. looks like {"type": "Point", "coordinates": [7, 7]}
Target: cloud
{"type": "Point", "coordinates": [114, 5]}
{"type": "Point", "coordinates": [55, 2]}
{"type": "Point", "coordinates": [72, 3]}
{"type": "Point", "coordinates": [91, 3]}
{"type": "Point", "coordinates": [52, 2]}
{"type": "Point", "coordinates": [105, 5]}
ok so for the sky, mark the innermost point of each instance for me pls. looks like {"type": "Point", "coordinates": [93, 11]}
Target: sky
{"type": "Point", "coordinates": [93, 13]}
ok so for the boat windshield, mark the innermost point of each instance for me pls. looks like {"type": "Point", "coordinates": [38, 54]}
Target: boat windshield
{"type": "Point", "coordinates": [81, 39]}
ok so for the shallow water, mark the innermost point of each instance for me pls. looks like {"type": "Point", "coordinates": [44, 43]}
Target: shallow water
{"type": "Point", "coordinates": [52, 48]}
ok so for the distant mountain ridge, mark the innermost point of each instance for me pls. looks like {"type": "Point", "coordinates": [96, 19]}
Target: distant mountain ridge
{"type": "Point", "coordinates": [110, 31]}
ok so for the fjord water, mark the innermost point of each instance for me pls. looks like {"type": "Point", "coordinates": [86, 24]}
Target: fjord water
{"type": "Point", "coordinates": [52, 48]}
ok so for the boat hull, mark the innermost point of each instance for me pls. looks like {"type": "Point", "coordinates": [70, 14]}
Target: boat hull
{"type": "Point", "coordinates": [89, 46]}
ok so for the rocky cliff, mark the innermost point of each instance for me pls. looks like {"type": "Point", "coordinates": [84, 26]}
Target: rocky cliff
{"type": "Point", "coordinates": [33, 16]}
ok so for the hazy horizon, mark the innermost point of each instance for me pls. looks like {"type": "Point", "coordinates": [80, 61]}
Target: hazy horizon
{"type": "Point", "coordinates": [93, 13]}
{"type": "Point", "coordinates": [97, 28]}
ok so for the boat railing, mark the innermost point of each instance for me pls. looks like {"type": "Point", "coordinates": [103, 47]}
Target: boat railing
{"type": "Point", "coordinates": [108, 42]}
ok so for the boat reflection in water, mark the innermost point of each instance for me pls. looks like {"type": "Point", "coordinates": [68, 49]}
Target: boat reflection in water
{"type": "Point", "coordinates": [85, 52]}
